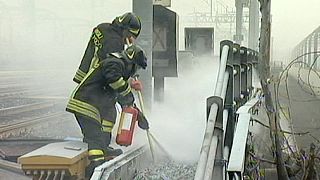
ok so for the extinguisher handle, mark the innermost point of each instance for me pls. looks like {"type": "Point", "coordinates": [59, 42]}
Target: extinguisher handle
{"type": "Point", "coordinates": [139, 95]}
{"type": "Point", "coordinates": [135, 77]}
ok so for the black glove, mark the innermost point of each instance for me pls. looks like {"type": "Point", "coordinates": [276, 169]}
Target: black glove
{"type": "Point", "coordinates": [126, 100]}
{"type": "Point", "coordinates": [142, 121]}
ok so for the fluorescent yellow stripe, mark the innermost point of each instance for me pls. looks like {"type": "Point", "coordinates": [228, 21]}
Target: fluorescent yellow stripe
{"type": "Point", "coordinates": [107, 123]}
{"type": "Point", "coordinates": [98, 33]}
{"type": "Point", "coordinates": [95, 58]}
{"type": "Point", "coordinates": [76, 89]}
{"type": "Point", "coordinates": [107, 129]}
{"type": "Point", "coordinates": [77, 77]}
{"type": "Point", "coordinates": [127, 91]}
{"type": "Point", "coordinates": [95, 152]}
{"type": "Point", "coordinates": [84, 112]}
{"type": "Point", "coordinates": [84, 105]}
{"type": "Point", "coordinates": [98, 159]}
{"type": "Point", "coordinates": [117, 84]}
{"type": "Point", "coordinates": [81, 73]}
{"type": "Point", "coordinates": [94, 62]}
{"type": "Point", "coordinates": [134, 31]}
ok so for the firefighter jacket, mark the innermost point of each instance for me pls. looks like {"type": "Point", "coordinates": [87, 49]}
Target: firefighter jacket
{"type": "Point", "coordinates": [106, 38]}
{"type": "Point", "coordinates": [101, 86]}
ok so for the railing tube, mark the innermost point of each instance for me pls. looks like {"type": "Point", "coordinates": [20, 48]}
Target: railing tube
{"type": "Point", "coordinates": [225, 121]}
{"type": "Point", "coordinates": [225, 85]}
{"type": "Point", "coordinates": [206, 143]}
{"type": "Point", "coordinates": [215, 139]}
{"type": "Point", "coordinates": [222, 69]}
{"type": "Point", "coordinates": [211, 159]}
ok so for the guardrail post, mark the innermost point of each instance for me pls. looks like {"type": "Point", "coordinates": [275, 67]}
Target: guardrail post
{"type": "Point", "coordinates": [251, 63]}
{"type": "Point", "coordinates": [244, 55]}
{"type": "Point", "coordinates": [219, 161]}
{"type": "Point", "coordinates": [237, 75]}
{"type": "Point", "coordinates": [215, 100]}
{"type": "Point", "coordinates": [233, 91]}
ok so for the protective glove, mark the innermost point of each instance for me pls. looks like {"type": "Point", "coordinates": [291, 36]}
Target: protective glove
{"type": "Point", "coordinates": [142, 120]}
{"type": "Point", "coordinates": [126, 100]}
{"type": "Point", "coordinates": [136, 85]}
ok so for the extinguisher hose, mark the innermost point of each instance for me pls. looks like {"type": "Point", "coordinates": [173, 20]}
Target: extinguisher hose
{"type": "Point", "coordinates": [150, 145]}
{"type": "Point", "coordinates": [159, 145]}
{"type": "Point", "coordinates": [148, 132]}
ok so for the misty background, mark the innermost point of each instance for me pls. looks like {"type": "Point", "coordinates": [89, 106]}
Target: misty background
{"type": "Point", "coordinates": [50, 36]}
{"type": "Point", "coordinates": [57, 31]}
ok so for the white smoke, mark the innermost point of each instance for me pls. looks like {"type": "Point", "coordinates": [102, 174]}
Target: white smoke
{"type": "Point", "coordinates": [179, 122]}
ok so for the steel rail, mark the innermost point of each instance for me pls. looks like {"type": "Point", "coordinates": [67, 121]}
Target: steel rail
{"type": "Point", "coordinates": [26, 123]}
{"type": "Point", "coordinates": [25, 108]}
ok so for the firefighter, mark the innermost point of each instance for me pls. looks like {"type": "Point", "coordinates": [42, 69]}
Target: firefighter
{"type": "Point", "coordinates": [108, 38]}
{"type": "Point", "coordinates": [93, 101]}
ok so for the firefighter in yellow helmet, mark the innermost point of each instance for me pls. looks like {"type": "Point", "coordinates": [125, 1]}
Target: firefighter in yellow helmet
{"type": "Point", "coordinates": [108, 38]}
{"type": "Point", "coordinates": [93, 100]}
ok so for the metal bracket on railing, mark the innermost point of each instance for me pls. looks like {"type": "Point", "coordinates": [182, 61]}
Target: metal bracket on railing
{"type": "Point", "coordinates": [237, 67]}
{"type": "Point", "coordinates": [255, 57]}
{"type": "Point", "coordinates": [215, 100]}
{"type": "Point", "coordinates": [228, 43]}
{"type": "Point", "coordinates": [244, 74]}
{"type": "Point", "coordinates": [220, 162]}
{"type": "Point", "coordinates": [251, 60]}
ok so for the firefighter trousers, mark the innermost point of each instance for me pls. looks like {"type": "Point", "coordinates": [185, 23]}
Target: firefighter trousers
{"type": "Point", "coordinates": [93, 136]}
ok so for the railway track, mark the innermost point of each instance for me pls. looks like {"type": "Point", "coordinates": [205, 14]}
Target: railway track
{"type": "Point", "coordinates": [30, 92]}
{"type": "Point", "coordinates": [33, 107]}
{"type": "Point", "coordinates": [22, 127]}
{"type": "Point", "coordinates": [25, 108]}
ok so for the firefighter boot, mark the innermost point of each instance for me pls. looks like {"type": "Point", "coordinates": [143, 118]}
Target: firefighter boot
{"type": "Point", "coordinates": [90, 168]}
{"type": "Point", "coordinates": [112, 153]}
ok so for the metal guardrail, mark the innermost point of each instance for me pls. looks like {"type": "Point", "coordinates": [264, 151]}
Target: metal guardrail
{"type": "Point", "coordinates": [237, 155]}
{"type": "Point", "coordinates": [210, 142]}
{"type": "Point", "coordinates": [311, 43]}
{"type": "Point", "coordinates": [232, 92]}
{"type": "Point", "coordinates": [123, 167]}
{"type": "Point", "coordinates": [233, 89]}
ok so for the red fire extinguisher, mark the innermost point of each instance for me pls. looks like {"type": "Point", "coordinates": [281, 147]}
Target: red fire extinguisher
{"type": "Point", "coordinates": [126, 127]}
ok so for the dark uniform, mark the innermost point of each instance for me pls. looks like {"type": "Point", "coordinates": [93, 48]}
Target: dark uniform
{"type": "Point", "coordinates": [95, 97]}
{"type": "Point", "coordinates": [107, 38]}
{"type": "Point", "coordinates": [93, 100]}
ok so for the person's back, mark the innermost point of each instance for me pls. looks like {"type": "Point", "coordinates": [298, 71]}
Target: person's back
{"type": "Point", "coordinates": [108, 38]}
{"type": "Point", "coordinates": [93, 101]}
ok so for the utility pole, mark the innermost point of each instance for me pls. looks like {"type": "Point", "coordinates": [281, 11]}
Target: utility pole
{"type": "Point", "coordinates": [264, 69]}
{"type": "Point", "coordinates": [253, 37]}
{"type": "Point", "coordinates": [28, 10]}
{"type": "Point", "coordinates": [238, 37]}
{"type": "Point", "coordinates": [144, 9]}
